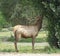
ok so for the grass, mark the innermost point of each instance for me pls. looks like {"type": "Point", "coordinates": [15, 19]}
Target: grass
{"type": "Point", "coordinates": [42, 36]}
{"type": "Point", "coordinates": [28, 40]}
{"type": "Point", "coordinates": [5, 33]}
{"type": "Point", "coordinates": [7, 36]}
{"type": "Point", "coordinates": [27, 49]}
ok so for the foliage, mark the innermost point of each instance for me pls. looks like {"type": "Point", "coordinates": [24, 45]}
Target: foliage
{"type": "Point", "coordinates": [25, 11]}
{"type": "Point", "coordinates": [16, 11]}
{"type": "Point", "coordinates": [53, 22]}
{"type": "Point", "coordinates": [3, 22]}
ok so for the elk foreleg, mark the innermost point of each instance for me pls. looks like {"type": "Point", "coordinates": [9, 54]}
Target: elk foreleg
{"type": "Point", "coordinates": [33, 42]}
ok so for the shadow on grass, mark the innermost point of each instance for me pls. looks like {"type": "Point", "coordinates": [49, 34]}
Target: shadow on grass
{"type": "Point", "coordinates": [27, 40]}
{"type": "Point", "coordinates": [41, 50]}
{"type": "Point", "coordinates": [7, 50]}
{"type": "Point", "coordinates": [48, 50]}
{"type": "Point", "coordinates": [28, 49]}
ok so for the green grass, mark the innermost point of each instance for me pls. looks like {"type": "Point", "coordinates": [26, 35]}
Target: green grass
{"type": "Point", "coordinates": [7, 36]}
{"type": "Point", "coordinates": [27, 49]}
{"type": "Point", "coordinates": [42, 36]}
{"type": "Point", "coordinates": [5, 33]}
{"type": "Point", "coordinates": [11, 39]}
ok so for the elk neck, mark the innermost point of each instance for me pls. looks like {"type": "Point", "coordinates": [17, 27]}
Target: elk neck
{"type": "Point", "coordinates": [39, 23]}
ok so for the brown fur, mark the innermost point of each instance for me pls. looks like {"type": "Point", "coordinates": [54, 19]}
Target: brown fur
{"type": "Point", "coordinates": [27, 31]}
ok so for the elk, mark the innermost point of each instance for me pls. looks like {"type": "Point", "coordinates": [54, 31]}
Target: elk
{"type": "Point", "coordinates": [27, 31]}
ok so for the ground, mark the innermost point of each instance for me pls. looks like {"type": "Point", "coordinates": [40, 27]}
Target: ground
{"type": "Point", "coordinates": [25, 54]}
{"type": "Point", "coordinates": [25, 45]}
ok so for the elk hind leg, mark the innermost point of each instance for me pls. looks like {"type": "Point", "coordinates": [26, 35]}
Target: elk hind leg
{"type": "Point", "coordinates": [16, 44]}
{"type": "Point", "coordinates": [16, 40]}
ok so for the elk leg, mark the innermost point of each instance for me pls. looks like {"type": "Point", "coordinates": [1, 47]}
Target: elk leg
{"type": "Point", "coordinates": [16, 39]}
{"type": "Point", "coordinates": [33, 41]}
{"type": "Point", "coordinates": [16, 44]}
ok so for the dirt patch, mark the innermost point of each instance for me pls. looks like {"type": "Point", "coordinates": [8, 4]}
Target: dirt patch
{"type": "Point", "coordinates": [26, 54]}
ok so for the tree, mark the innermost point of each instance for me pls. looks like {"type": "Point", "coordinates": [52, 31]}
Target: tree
{"type": "Point", "coordinates": [53, 21]}
{"type": "Point", "coordinates": [15, 11]}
